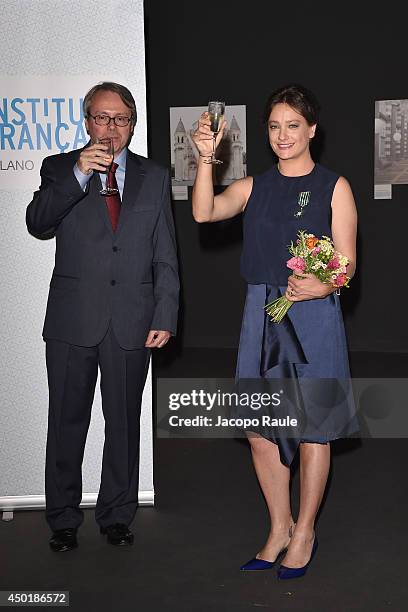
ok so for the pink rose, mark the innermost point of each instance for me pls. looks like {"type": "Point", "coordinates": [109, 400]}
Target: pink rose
{"type": "Point", "coordinates": [316, 251]}
{"type": "Point", "coordinates": [296, 263]}
{"type": "Point", "coordinates": [334, 263]}
{"type": "Point", "coordinates": [340, 280]}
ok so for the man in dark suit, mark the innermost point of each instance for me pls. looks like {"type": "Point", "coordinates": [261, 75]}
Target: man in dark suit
{"type": "Point", "coordinates": [113, 297]}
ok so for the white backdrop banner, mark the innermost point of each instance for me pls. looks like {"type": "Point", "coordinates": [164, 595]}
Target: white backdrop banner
{"type": "Point", "coordinates": [38, 117]}
{"type": "Point", "coordinates": [52, 52]}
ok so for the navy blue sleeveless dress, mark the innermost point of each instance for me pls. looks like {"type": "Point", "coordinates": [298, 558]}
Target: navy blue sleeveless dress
{"type": "Point", "coordinates": [309, 345]}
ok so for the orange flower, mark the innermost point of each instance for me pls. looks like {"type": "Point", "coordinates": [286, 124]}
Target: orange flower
{"type": "Point", "coordinates": [311, 242]}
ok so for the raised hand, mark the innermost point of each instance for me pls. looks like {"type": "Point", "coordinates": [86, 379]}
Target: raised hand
{"type": "Point", "coordinates": [203, 136]}
{"type": "Point", "coordinates": [94, 158]}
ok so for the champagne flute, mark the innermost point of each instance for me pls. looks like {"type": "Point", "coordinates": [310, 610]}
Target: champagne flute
{"type": "Point", "coordinates": [108, 142]}
{"type": "Point", "coordinates": [216, 110]}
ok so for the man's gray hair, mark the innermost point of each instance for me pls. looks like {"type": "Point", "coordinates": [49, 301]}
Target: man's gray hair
{"type": "Point", "coordinates": [121, 90]}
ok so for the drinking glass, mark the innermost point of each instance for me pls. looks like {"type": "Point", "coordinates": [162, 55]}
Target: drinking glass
{"type": "Point", "coordinates": [108, 142]}
{"type": "Point", "coordinates": [216, 110]}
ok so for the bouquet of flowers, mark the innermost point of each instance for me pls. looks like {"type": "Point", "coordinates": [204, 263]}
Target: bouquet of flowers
{"type": "Point", "coordinates": [316, 256]}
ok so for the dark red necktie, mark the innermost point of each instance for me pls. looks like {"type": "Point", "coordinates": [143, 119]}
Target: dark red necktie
{"type": "Point", "coordinates": [113, 201]}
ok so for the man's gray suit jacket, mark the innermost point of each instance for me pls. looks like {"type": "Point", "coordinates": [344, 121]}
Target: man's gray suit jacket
{"type": "Point", "coordinates": [128, 277]}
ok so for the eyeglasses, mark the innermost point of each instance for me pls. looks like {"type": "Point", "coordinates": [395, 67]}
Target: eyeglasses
{"type": "Point", "coordinates": [119, 120]}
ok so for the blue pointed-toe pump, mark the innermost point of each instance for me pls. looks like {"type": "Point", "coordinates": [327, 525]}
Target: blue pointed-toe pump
{"type": "Point", "coordinates": [261, 564]}
{"type": "Point", "coordinates": [286, 573]}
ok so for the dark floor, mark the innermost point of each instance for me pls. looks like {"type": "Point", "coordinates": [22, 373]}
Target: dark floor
{"type": "Point", "coordinates": [210, 517]}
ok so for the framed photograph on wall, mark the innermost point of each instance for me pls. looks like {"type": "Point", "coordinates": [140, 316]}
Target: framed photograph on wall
{"type": "Point", "coordinates": [390, 146]}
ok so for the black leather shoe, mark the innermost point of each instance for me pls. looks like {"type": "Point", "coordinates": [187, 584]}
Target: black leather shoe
{"type": "Point", "coordinates": [118, 534]}
{"type": "Point", "coordinates": [64, 539]}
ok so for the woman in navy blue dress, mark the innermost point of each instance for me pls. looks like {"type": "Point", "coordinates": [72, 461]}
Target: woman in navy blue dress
{"type": "Point", "coordinates": [309, 344]}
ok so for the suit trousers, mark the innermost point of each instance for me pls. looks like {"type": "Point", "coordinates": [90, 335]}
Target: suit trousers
{"type": "Point", "coordinates": [72, 374]}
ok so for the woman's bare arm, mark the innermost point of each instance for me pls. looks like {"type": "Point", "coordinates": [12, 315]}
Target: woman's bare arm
{"type": "Point", "coordinates": [344, 231]}
{"type": "Point", "coordinates": [344, 222]}
{"type": "Point", "coordinates": [207, 207]}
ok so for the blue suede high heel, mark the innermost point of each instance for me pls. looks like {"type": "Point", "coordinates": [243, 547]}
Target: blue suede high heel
{"type": "Point", "coordinates": [286, 573]}
{"type": "Point", "coordinates": [261, 564]}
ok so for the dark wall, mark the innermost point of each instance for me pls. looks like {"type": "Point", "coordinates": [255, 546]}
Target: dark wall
{"type": "Point", "coordinates": [240, 53]}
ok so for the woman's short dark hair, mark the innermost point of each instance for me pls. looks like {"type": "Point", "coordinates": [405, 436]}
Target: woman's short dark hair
{"type": "Point", "coordinates": [121, 90]}
{"type": "Point", "coordinates": [299, 98]}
